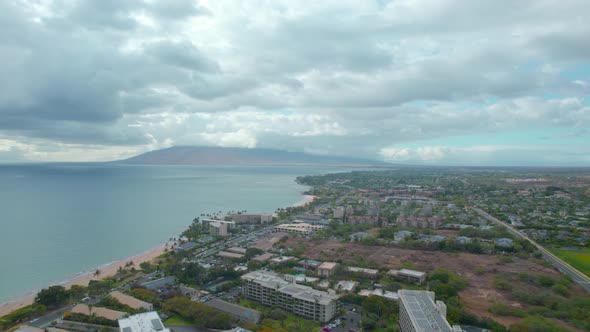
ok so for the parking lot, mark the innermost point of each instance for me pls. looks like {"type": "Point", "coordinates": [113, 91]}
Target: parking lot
{"type": "Point", "coordinates": [349, 321]}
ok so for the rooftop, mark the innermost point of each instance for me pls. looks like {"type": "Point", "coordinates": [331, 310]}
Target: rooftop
{"type": "Point", "coordinates": [129, 300]}
{"type": "Point", "coordinates": [423, 311]}
{"type": "Point", "coordinates": [328, 265]}
{"type": "Point", "coordinates": [98, 311]}
{"type": "Point", "coordinates": [145, 322]}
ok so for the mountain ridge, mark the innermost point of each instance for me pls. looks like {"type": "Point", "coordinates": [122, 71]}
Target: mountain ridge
{"type": "Point", "coordinates": [204, 155]}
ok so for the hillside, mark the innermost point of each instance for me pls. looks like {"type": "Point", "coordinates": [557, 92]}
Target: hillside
{"type": "Point", "coordinates": [197, 155]}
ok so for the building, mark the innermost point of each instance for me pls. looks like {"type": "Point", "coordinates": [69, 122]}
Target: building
{"type": "Point", "coordinates": [250, 218]}
{"type": "Point", "coordinates": [282, 259]}
{"type": "Point", "coordinates": [299, 228]}
{"type": "Point", "coordinates": [242, 314]}
{"type": "Point", "coordinates": [420, 222]}
{"type": "Point", "coordinates": [416, 277]}
{"type": "Point", "coordinates": [185, 246]}
{"type": "Point", "coordinates": [264, 257]}
{"type": "Point", "coordinates": [379, 292]}
{"type": "Point", "coordinates": [130, 301]}
{"type": "Point", "coordinates": [346, 286]}
{"type": "Point", "coordinates": [310, 219]}
{"type": "Point", "coordinates": [370, 273]}
{"type": "Point", "coordinates": [105, 313]}
{"type": "Point", "coordinates": [327, 269]}
{"type": "Point", "coordinates": [145, 322]}
{"type": "Point", "coordinates": [217, 228]}
{"type": "Point", "coordinates": [418, 312]}
{"type": "Point", "coordinates": [270, 289]}
{"type": "Point", "coordinates": [159, 284]}
{"type": "Point", "coordinates": [338, 212]}
{"type": "Point", "coordinates": [310, 264]}
{"type": "Point", "coordinates": [227, 254]}
{"type": "Point", "coordinates": [237, 250]}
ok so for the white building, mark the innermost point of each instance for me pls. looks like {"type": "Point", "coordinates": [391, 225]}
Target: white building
{"type": "Point", "coordinates": [145, 322]}
{"type": "Point", "coordinates": [298, 228]}
{"type": "Point", "coordinates": [418, 312]}
{"type": "Point", "coordinates": [217, 228]}
{"type": "Point", "coordinates": [270, 289]}
{"type": "Point", "coordinates": [416, 277]}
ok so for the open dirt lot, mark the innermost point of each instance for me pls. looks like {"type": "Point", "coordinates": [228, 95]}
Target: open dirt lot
{"type": "Point", "coordinates": [479, 270]}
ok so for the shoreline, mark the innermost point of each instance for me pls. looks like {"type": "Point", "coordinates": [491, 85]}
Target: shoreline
{"type": "Point", "coordinates": [305, 200]}
{"type": "Point", "coordinates": [106, 270]}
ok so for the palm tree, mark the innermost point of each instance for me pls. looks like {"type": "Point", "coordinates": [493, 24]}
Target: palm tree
{"type": "Point", "coordinates": [97, 273]}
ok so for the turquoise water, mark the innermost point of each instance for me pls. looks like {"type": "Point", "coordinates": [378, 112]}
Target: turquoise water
{"type": "Point", "coordinates": [59, 220]}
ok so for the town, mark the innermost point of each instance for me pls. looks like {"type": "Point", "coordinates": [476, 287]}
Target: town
{"type": "Point", "coordinates": [428, 249]}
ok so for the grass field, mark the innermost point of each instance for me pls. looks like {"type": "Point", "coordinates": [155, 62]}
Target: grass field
{"type": "Point", "coordinates": [177, 320]}
{"type": "Point", "coordinates": [580, 259]}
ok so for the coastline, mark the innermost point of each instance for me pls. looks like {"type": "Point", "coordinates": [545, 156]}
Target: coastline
{"type": "Point", "coordinates": [107, 270]}
{"type": "Point", "coordinates": [305, 200]}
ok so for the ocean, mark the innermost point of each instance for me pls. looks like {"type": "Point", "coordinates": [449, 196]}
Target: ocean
{"type": "Point", "coordinates": [60, 220]}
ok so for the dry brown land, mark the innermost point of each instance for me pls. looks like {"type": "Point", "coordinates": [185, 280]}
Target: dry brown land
{"type": "Point", "coordinates": [479, 270]}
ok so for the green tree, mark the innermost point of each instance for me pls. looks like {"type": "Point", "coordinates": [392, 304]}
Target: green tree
{"type": "Point", "coordinates": [52, 296]}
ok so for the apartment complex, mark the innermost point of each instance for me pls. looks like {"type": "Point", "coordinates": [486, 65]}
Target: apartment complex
{"type": "Point", "coordinates": [130, 301]}
{"type": "Point", "coordinates": [416, 277]}
{"type": "Point", "coordinates": [298, 228]}
{"type": "Point", "coordinates": [250, 218]}
{"type": "Point", "coordinates": [418, 312]}
{"type": "Point", "coordinates": [270, 289]}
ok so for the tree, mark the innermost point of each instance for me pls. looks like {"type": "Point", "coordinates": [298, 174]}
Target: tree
{"type": "Point", "coordinates": [52, 296]}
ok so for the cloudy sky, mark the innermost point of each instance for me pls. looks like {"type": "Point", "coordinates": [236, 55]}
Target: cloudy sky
{"type": "Point", "coordinates": [407, 81]}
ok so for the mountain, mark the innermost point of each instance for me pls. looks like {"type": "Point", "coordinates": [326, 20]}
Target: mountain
{"type": "Point", "coordinates": [200, 155]}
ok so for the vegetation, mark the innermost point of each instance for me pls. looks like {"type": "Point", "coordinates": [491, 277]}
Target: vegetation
{"type": "Point", "coordinates": [580, 259]}
{"type": "Point", "coordinates": [200, 315]}
{"type": "Point", "coordinates": [92, 319]}
{"type": "Point", "coordinates": [22, 314]}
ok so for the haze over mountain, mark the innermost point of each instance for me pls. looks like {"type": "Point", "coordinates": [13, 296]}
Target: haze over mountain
{"type": "Point", "coordinates": [203, 155]}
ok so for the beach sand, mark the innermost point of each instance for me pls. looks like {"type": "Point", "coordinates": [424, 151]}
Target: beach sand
{"type": "Point", "coordinates": [83, 280]}
{"type": "Point", "coordinates": [305, 200]}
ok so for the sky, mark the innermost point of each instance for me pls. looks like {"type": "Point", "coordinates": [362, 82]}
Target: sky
{"type": "Point", "coordinates": [440, 82]}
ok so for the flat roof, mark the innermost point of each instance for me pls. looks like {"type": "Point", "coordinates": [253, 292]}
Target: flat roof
{"type": "Point", "coordinates": [227, 254]}
{"type": "Point", "coordinates": [144, 322]}
{"type": "Point", "coordinates": [235, 309]}
{"type": "Point", "coordinates": [422, 311]}
{"type": "Point", "coordinates": [328, 265]}
{"type": "Point", "coordinates": [363, 270]}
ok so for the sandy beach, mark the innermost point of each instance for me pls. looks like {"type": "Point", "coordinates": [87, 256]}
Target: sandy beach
{"type": "Point", "coordinates": [305, 200]}
{"type": "Point", "coordinates": [83, 280]}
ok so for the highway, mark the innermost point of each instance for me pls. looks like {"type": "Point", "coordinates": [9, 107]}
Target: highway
{"type": "Point", "coordinates": [577, 276]}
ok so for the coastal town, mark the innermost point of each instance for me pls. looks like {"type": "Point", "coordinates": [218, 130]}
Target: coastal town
{"type": "Point", "coordinates": [396, 250]}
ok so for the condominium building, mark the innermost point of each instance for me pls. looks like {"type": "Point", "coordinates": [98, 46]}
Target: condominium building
{"type": "Point", "coordinates": [217, 228]}
{"type": "Point", "coordinates": [298, 228]}
{"type": "Point", "coordinates": [416, 277]}
{"type": "Point", "coordinates": [418, 312]}
{"type": "Point", "coordinates": [271, 289]}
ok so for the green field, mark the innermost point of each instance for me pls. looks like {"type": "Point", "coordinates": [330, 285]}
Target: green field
{"type": "Point", "coordinates": [177, 320]}
{"type": "Point", "coordinates": [580, 259]}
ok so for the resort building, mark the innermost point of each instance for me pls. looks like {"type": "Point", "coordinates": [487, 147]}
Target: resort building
{"type": "Point", "coordinates": [145, 322]}
{"type": "Point", "coordinates": [418, 312]}
{"type": "Point", "coordinates": [270, 289]}
{"type": "Point", "coordinates": [130, 301]}
{"type": "Point", "coordinates": [299, 228]}
{"type": "Point", "coordinates": [248, 218]}
{"type": "Point", "coordinates": [217, 228]}
{"type": "Point", "coordinates": [327, 269]}
{"type": "Point", "coordinates": [98, 312]}
{"type": "Point", "coordinates": [416, 277]}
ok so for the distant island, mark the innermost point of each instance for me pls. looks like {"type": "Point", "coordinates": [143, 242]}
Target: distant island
{"type": "Point", "coordinates": [201, 155]}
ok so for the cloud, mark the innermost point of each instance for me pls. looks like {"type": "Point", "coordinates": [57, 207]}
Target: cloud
{"type": "Point", "coordinates": [335, 77]}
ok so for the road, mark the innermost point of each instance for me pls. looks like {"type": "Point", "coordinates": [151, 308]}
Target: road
{"type": "Point", "coordinates": [46, 319]}
{"type": "Point", "coordinates": [577, 276]}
